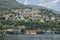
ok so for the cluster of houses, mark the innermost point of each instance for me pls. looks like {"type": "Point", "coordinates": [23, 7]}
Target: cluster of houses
{"type": "Point", "coordinates": [25, 14]}
{"type": "Point", "coordinates": [31, 31]}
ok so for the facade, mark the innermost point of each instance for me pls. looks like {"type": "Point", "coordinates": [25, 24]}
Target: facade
{"type": "Point", "coordinates": [12, 31]}
{"type": "Point", "coordinates": [30, 32]}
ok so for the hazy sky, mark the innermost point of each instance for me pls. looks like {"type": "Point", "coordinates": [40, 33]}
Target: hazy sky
{"type": "Point", "coordinates": [53, 4]}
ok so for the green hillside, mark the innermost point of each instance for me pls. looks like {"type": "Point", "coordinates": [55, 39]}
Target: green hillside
{"type": "Point", "coordinates": [9, 4]}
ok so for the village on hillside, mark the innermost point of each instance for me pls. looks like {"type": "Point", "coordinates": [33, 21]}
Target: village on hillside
{"type": "Point", "coordinates": [25, 16]}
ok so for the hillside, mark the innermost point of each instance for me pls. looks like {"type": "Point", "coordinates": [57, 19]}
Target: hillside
{"type": "Point", "coordinates": [9, 4]}
{"type": "Point", "coordinates": [16, 15]}
{"type": "Point", "coordinates": [41, 7]}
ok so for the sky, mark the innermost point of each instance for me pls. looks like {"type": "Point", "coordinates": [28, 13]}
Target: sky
{"type": "Point", "coordinates": [53, 4]}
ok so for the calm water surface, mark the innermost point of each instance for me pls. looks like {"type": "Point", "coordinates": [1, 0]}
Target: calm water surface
{"type": "Point", "coordinates": [30, 37]}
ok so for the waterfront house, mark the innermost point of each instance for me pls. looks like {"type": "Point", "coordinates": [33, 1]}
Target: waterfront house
{"type": "Point", "coordinates": [50, 32]}
{"type": "Point", "coordinates": [30, 32]}
{"type": "Point", "coordinates": [12, 31]}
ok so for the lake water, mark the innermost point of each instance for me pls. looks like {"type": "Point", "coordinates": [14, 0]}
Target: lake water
{"type": "Point", "coordinates": [30, 37]}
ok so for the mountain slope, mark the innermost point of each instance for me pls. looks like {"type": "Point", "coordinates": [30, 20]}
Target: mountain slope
{"type": "Point", "coordinates": [9, 4]}
{"type": "Point", "coordinates": [41, 7]}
